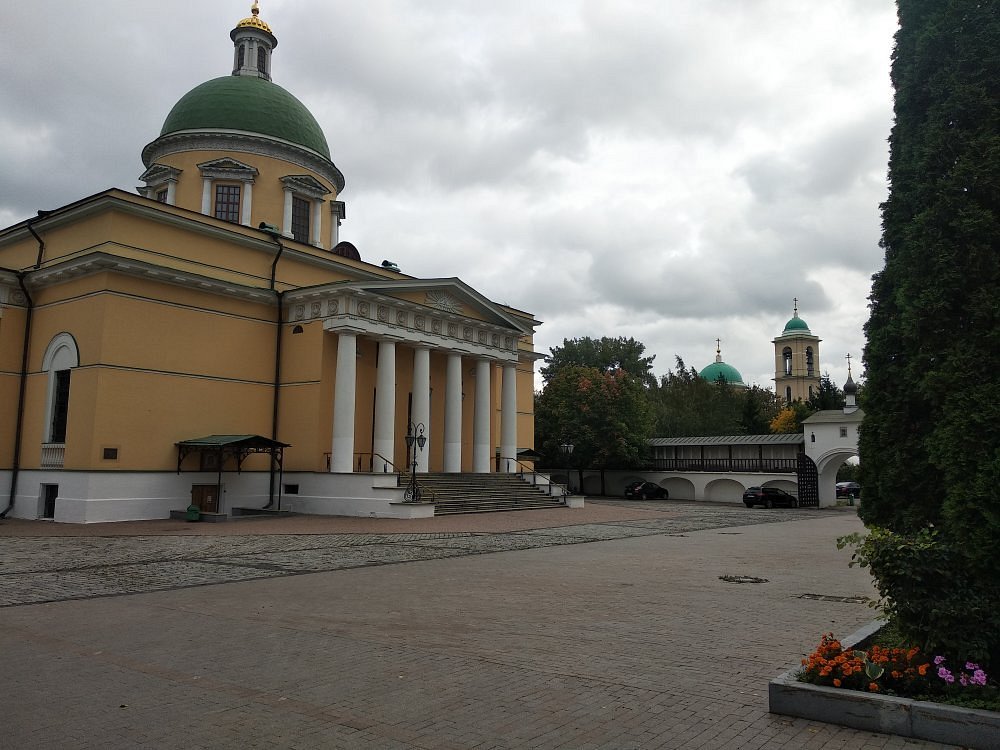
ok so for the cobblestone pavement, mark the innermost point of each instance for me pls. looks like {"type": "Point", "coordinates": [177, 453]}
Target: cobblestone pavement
{"type": "Point", "coordinates": [35, 570]}
{"type": "Point", "coordinates": [615, 633]}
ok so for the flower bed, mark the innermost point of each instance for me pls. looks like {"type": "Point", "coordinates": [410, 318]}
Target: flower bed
{"type": "Point", "coordinates": [869, 708]}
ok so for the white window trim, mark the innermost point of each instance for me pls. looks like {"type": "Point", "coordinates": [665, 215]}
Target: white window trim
{"type": "Point", "coordinates": [61, 354]}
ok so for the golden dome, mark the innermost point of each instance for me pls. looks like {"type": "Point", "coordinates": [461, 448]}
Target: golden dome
{"type": "Point", "coordinates": [254, 21]}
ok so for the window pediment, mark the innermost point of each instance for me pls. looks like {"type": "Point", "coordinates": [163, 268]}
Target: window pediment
{"type": "Point", "coordinates": [305, 185]}
{"type": "Point", "coordinates": [227, 169]}
{"type": "Point", "coordinates": [158, 174]}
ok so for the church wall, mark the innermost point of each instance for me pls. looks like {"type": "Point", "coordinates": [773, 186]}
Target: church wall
{"type": "Point", "coordinates": [150, 373]}
{"type": "Point", "coordinates": [145, 414]}
{"type": "Point", "coordinates": [11, 337]}
{"type": "Point", "coordinates": [18, 254]}
{"type": "Point", "coordinates": [435, 431]}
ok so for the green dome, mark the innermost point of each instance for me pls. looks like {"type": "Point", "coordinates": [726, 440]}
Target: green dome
{"type": "Point", "coordinates": [249, 104]}
{"type": "Point", "coordinates": [727, 372]}
{"type": "Point", "coordinates": [796, 325]}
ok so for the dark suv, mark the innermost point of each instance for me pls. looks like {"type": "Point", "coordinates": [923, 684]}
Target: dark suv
{"type": "Point", "coordinates": [769, 497]}
{"type": "Point", "coordinates": [645, 491]}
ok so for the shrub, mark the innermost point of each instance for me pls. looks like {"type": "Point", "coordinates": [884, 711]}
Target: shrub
{"type": "Point", "coordinates": [931, 592]}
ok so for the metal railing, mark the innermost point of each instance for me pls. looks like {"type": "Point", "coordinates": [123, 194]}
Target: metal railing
{"type": "Point", "coordinates": [53, 455]}
{"type": "Point", "coordinates": [749, 465]}
{"type": "Point", "coordinates": [525, 471]}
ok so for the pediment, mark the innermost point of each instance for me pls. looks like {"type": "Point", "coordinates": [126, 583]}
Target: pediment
{"type": "Point", "coordinates": [226, 164]}
{"type": "Point", "coordinates": [305, 184]}
{"type": "Point", "coordinates": [159, 173]}
{"type": "Point", "coordinates": [450, 296]}
{"type": "Point", "coordinates": [449, 306]}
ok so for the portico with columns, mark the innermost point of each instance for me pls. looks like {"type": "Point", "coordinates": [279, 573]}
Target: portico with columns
{"type": "Point", "coordinates": [434, 354]}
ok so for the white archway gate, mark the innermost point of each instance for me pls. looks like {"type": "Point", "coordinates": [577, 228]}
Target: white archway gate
{"type": "Point", "coordinates": [831, 437]}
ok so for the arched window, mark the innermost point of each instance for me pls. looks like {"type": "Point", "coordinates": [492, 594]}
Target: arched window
{"type": "Point", "coordinates": [242, 57]}
{"type": "Point", "coordinates": [786, 354]}
{"type": "Point", "coordinates": [61, 356]}
{"type": "Point", "coordinates": [262, 61]}
{"type": "Point", "coordinates": [809, 361]}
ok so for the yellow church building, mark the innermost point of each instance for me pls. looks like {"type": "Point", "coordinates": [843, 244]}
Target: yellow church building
{"type": "Point", "coordinates": [214, 331]}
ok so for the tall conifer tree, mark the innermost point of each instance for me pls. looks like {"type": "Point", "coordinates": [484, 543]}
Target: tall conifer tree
{"type": "Point", "coordinates": [930, 442]}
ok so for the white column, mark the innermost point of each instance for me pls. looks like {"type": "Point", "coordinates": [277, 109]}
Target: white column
{"type": "Point", "coordinates": [385, 403]}
{"type": "Point", "coordinates": [481, 419]}
{"type": "Point", "coordinates": [171, 193]}
{"type": "Point", "coordinates": [334, 225]}
{"type": "Point", "coordinates": [453, 415]}
{"type": "Point", "coordinates": [344, 391]}
{"type": "Point", "coordinates": [247, 203]}
{"type": "Point", "coordinates": [317, 224]}
{"type": "Point", "coordinates": [508, 418]}
{"type": "Point", "coordinates": [286, 219]}
{"type": "Point", "coordinates": [206, 196]}
{"type": "Point", "coordinates": [422, 399]}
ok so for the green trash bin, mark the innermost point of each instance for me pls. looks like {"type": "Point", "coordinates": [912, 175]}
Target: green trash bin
{"type": "Point", "coordinates": [193, 513]}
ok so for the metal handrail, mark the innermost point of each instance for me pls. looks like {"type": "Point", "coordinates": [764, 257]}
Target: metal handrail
{"type": "Point", "coordinates": [531, 470]}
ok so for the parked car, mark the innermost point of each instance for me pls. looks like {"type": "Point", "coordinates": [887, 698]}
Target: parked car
{"type": "Point", "coordinates": [846, 489]}
{"type": "Point", "coordinates": [645, 491]}
{"type": "Point", "coordinates": [769, 497]}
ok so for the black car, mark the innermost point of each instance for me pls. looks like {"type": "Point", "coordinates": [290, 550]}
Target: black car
{"type": "Point", "coordinates": [847, 489]}
{"type": "Point", "coordinates": [769, 497]}
{"type": "Point", "coordinates": [645, 491]}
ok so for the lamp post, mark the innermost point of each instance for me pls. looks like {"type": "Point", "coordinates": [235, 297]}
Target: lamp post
{"type": "Point", "coordinates": [414, 434]}
{"type": "Point", "coordinates": [567, 450]}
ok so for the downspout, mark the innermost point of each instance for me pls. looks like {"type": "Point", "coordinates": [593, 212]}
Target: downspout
{"type": "Point", "coordinates": [279, 295]}
{"type": "Point", "coordinates": [15, 468]}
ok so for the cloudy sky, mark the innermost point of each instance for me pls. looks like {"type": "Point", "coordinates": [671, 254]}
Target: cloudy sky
{"type": "Point", "coordinates": [670, 170]}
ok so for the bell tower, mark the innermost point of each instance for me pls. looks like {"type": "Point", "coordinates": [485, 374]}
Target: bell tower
{"type": "Point", "coordinates": [796, 360]}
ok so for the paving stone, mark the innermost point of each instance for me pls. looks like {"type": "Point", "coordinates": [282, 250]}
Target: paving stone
{"type": "Point", "coordinates": [613, 633]}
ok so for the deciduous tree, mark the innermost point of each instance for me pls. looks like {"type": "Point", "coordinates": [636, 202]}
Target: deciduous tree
{"type": "Point", "coordinates": [606, 354]}
{"type": "Point", "coordinates": [605, 415]}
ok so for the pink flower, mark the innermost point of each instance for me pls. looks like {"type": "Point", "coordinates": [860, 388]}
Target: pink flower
{"type": "Point", "coordinates": [938, 660]}
{"type": "Point", "coordinates": [979, 677]}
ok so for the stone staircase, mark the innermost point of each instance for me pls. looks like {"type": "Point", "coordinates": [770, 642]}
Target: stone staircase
{"type": "Point", "coordinates": [483, 493]}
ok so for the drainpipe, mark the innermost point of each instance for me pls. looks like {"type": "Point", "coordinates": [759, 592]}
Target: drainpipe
{"type": "Point", "coordinates": [15, 468]}
{"type": "Point", "coordinates": [275, 234]}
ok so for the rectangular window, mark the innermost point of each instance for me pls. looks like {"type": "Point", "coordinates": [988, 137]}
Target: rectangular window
{"type": "Point", "coordinates": [843, 432]}
{"type": "Point", "coordinates": [110, 454]}
{"type": "Point", "coordinates": [300, 219]}
{"type": "Point", "coordinates": [161, 196]}
{"type": "Point", "coordinates": [60, 407]}
{"type": "Point", "coordinates": [227, 203]}
{"type": "Point", "coordinates": [291, 489]}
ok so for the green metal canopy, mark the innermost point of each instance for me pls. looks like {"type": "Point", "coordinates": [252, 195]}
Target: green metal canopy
{"type": "Point", "coordinates": [224, 446]}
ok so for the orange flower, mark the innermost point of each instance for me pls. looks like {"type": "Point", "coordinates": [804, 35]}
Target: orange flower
{"type": "Point", "coordinates": [873, 687]}
{"type": "Point", "coordinates": [836, 683]}
{"type": "Point", "coordinates": [922, 669]}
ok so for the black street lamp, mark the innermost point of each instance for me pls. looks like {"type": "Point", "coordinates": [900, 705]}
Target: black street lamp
{"type": "Point", "coordinates": [414, 434]}
{"type": "Point", "coordinates": [567, 450]}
